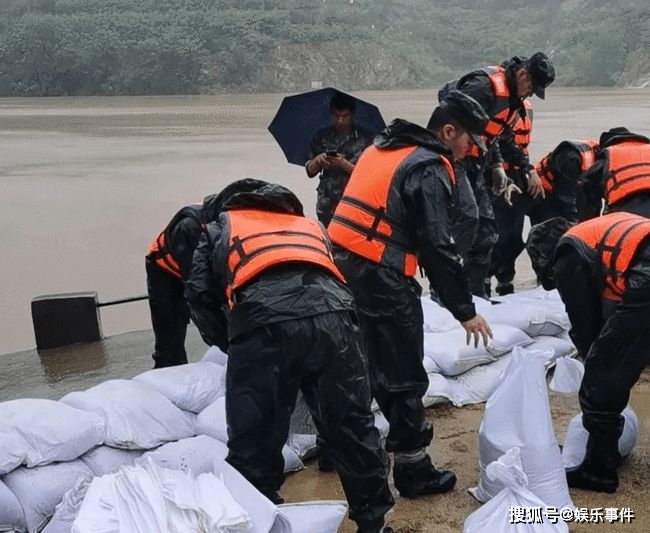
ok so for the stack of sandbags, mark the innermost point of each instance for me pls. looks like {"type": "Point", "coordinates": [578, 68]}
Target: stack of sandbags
{"type": "Point", "coordinates": [40, 443]}
{"type": "Point", "coordinates": [463, 374]}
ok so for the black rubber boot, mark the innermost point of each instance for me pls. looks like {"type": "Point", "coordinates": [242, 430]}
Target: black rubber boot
{"type": "Point", "coordinates": [421, 477]}
{"type": "Point", "coordinates": [373, 526]}
{"type": "Point", "coordinates": [597, 472]}
{"type": "Point", "coordinates": [504, 287]}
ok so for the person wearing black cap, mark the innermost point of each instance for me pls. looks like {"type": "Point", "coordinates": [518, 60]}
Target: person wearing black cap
{"type": "Point", "coordinates": [264, 288]}
{"type": "Point", "coordinates": [621, 174]}
{"type": "Point", "coordinates": [501, 91]}
{"type": "Point", "coordinates": [601, 268]}
{"type": "Point", "coordinates": [395, 215]}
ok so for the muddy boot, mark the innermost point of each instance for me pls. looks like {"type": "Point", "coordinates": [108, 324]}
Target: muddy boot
{"type": "Point", "coordinates": [416, 478]}
{"type": "Point", "coordinates": [597, 472]}
{"type": "Point", "coordinates": [373, 526]}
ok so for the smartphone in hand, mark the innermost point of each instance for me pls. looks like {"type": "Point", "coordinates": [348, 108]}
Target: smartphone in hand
{"type": "Point", "coordinates": [331, 153]}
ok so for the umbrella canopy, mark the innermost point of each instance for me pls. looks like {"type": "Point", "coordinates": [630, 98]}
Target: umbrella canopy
{"type": "Point", "coordinates": [301, 115]}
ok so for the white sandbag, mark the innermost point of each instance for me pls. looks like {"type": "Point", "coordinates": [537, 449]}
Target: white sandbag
{"type": "Point", "coordinates": [381, 424]}
{"type": "Point", "coordinates": [191, 387]}
{"type": "Point", "coordinates": [196, 454]}
{"type": "Point", "coordinates": [265, 517]}
{"type": "Point", "coordinates": [136, 416]}
{"type": "Point", "coordinates": [151, 498]}
{"type": "Point", "coordinates": [301, 420]}
{"type": "Point", "coordinates": [215, 355]}
{"type": "Point", "coordinates": [212, 420]}
{"type": "Point", "coordinates": [559, 346]}
{"type": "Point", "coordinates": [495, 516]}
{"type": "Point", "coordinates": [305, 446]}
{"type": "Point", "coordinates": [532, 317]}
{"type": "Point", "coordinates": [453, 356]}
{"type": "Point", "coordinates": [437, 319]}
{"type": "Point", "coordinates": [67, 510]}
{"type": "Point", "coordinates": [430, 365]}
{"type": "Point", "coordinates": [104, 460]}
{"type": "Point", "coordinates": [37, 432]}
{"type": "Point", "coordinates": [40, 489]}
{"type": "Point", "coordinates": [575, 441]}
{"type": "Point", "coordinates": [568, 375]}
{"type": "Point", "coordinates": [517, 414]}
{"type": "Point", "coordinates": [12, 517]}
{"type": "Point", "coordinates": [474, 386]}
{"type": "Point", "coordinates": [438, 390]}
{"type": "Point", "coordinates": [323, 516]}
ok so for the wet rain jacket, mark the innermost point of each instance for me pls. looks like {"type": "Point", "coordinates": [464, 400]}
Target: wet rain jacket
{"type": "Point", "coordinates": [282, 292]}
{"type": "Point", "coordinates": [611, 335]}
{"type": "Point", "coordinates": [621, 174]}
{"type": "Point", "coordinates": [288, 324]}
{"type": "Point", "coordinates": [417, 197]}
{"type": "Point", "coordinates": [560, 171]}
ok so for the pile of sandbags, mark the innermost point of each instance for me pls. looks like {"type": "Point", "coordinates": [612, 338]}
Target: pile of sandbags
{"type": "Point", "coordinates": [534, 319]}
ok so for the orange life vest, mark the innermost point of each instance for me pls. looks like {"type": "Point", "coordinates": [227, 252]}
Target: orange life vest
{"type": "Point", "coordinates": [586, 148]}
{"type": "Point", "coordinates": [628, 170]}
{"type": "Point", "coordinates": [260, 239]}
{"type": "Point", "coordinates": [159, 250]}
{"type": "Point", "coordinates": [500, 113]}
{"type": "Point", "coordinates": [361, 222]}
{"type": "Point", "coordinates": [522, 129]}
{"type": "Point", "coordinates": [615, 237]}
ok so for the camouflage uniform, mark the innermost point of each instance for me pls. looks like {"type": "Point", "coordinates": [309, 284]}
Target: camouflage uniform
{"type": "Point", "coordinates": [333, 180]}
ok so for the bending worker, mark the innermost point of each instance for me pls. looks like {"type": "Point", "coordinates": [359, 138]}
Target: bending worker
{"type": "Point", "coordinates": [601, 268]}
{"type": "Point", "coordinates": [264, 288]}
{"type": "Point", "coordinates": [394, 215]}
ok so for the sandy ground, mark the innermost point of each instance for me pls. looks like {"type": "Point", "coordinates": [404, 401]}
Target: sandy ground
{"type": "Point", "coordinates": [455, 446]}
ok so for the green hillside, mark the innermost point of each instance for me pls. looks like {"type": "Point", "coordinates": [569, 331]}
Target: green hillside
{"type": "Point", "coordinates": [86, 47]}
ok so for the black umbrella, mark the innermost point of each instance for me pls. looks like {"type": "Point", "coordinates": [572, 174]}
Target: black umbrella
{"type": "Point", "coordinates": [302, 115]}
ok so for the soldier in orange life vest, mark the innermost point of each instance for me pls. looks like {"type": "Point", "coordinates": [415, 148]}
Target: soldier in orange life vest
{"type": "Point", "coordinates": [561, 173]}
{"type": "Point", "coordinates": [264, 288]}
{"type": "Point", "coordinates": [501, 91]}
{"type": "Point", "coordinates": [168, 264]}
{"type": "Point", "coordinates": [394, 215]}
{"type": "Point", "coordinates": [621, 174]}
{"type": "Point", "coordinates": [510, 216]}
{"type": "Point", "coordinates": [602, 271]}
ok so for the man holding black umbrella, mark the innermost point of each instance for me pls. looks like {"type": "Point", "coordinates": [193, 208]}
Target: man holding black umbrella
{"type": "Point", "coordinates": [333, 151]}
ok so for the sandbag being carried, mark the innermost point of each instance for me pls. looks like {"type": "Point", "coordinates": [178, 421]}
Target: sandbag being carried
{"type": "Point", "coordinates": [575, 442]}
{"type": "Point", "coordinates": [496, 515]}
{"type": "Point", "coordinates": [191, 387]}
{"type": "Point", "coordinates": [37, 432]}
{"type": "Point", "coordinates": [517, 414]}
{"type": "Point", "coordinates": [136, 416]}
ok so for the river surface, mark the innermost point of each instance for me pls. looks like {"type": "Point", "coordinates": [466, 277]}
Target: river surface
{"type": "Point", "coordinates": [85, 183]}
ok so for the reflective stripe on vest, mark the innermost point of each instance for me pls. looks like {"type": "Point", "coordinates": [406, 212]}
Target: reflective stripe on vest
{"type": "Point", "coordinates": [586, 149]}
{"type": "Point", "coordinates": [362, 225]}
{"type": "Point", "coordinates": [628, 170]}
{"type": "Point", "coordinates": [615, 237]}
{"type": "Point", "coordinates": [158, 249]}
{"type": "Point", "coordinates": [500, 113]}
{"type": "Point", "coordinates": [260, 239]}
